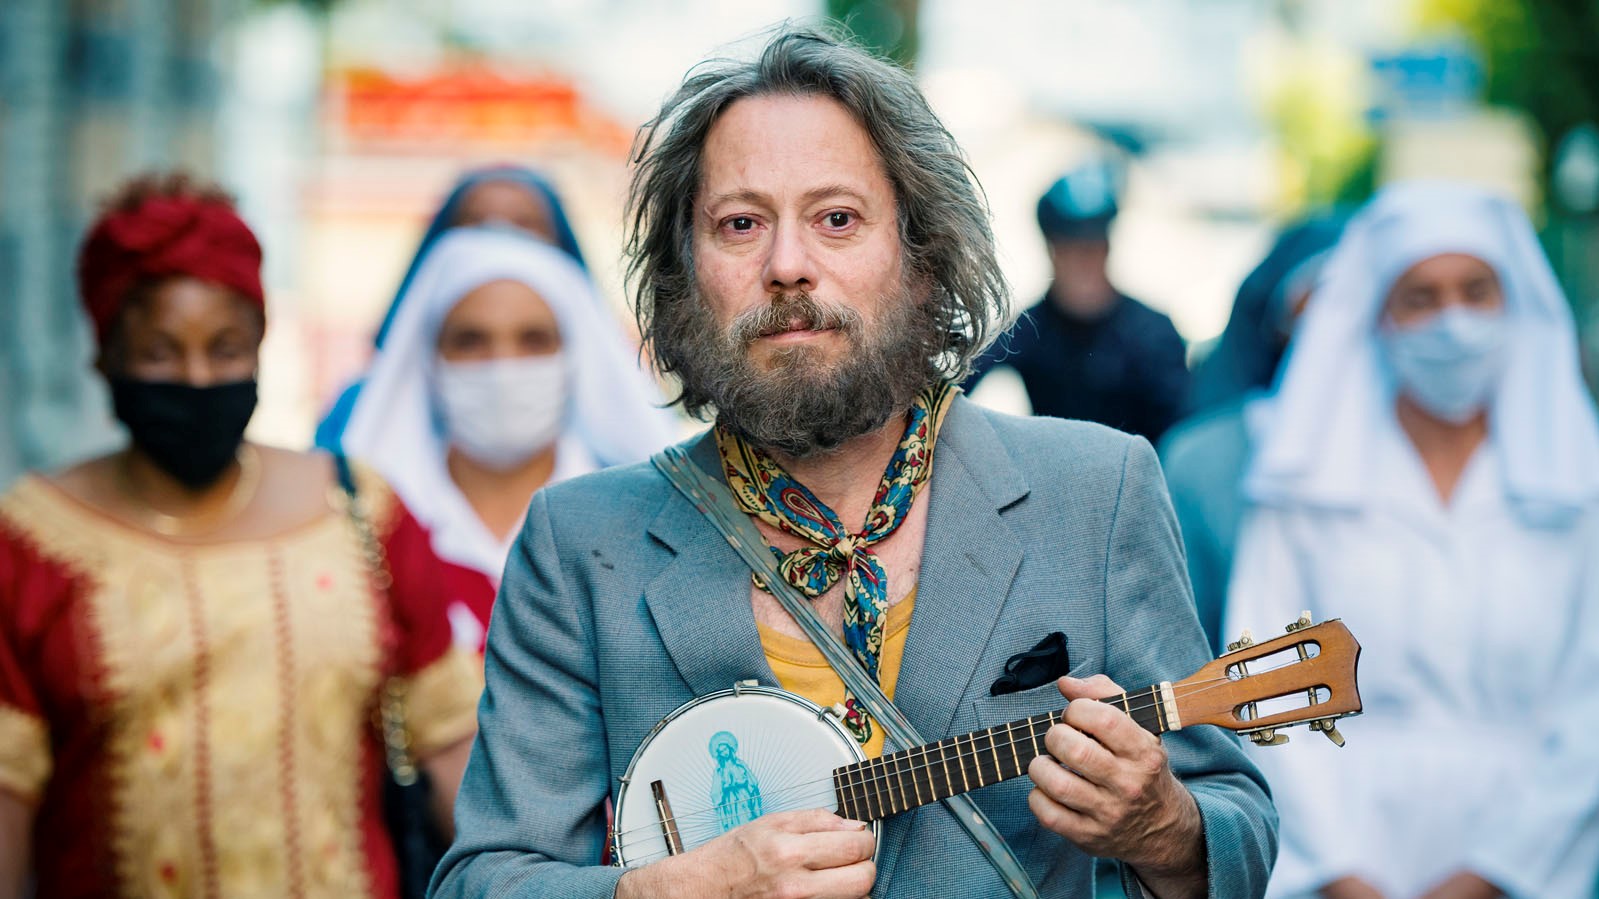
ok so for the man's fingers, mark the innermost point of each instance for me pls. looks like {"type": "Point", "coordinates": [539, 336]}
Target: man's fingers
{"type": "Point", "coordinates": [1080, 752]}
{"type": "Point", "coordinates": [811, 820]}
{"type": "Point", "coordinates": [1097, 687]}
{"type": "Point", "coordinates": [1111, 726]}
{"type": "Point", "coordinates": [810, 853]}
{"type": "Point", "coordinates": [838, 848]}
{"type": "Point", "coordinates": [1062, 819]}
{"type": "Point", "coordinates": [1061, 786]}
{"type": "Point", "coordinates": [847, 882]}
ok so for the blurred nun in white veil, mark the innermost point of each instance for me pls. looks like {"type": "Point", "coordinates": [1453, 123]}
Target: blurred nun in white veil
{"type": "Point", "coordinates": [501, 373]}
{"type": "Point", "coordinates": [1429, 472]}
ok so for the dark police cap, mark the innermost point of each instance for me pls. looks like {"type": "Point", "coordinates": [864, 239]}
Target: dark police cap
{"type": "Point", "coordinates": [1080, 204]}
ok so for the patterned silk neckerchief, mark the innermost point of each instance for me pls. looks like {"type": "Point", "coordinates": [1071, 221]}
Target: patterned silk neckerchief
{"type": "Point", "coordinates": [765, 490]}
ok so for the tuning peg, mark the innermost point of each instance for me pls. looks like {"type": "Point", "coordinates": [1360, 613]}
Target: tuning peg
{"type": "Point", "coordinates": [1268, 737]}
{"type": "Point", "coordinates": [1329, 726]}
{"type": "Point", "coordinates": [1245, 639]}
{"type": "Point", "coordinates": [1303, 622]}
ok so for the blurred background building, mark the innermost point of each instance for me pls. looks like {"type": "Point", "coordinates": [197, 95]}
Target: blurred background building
{"type": "Point", "coordinates": [340, 124]}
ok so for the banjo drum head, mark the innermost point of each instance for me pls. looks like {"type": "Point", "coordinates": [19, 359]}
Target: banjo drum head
{"type": "Point", "coordinates": [724, 760]}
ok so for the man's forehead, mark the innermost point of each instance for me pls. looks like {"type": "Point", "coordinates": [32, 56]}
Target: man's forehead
{"type": "Point", "coordinates": [789, 147]}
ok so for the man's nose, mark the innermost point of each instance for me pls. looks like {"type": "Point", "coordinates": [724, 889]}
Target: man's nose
{"type": "Point", "coordinates": [789, 265]}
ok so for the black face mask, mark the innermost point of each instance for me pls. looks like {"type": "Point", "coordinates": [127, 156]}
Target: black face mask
{"type": "Point", "coordinates": [191, 433]}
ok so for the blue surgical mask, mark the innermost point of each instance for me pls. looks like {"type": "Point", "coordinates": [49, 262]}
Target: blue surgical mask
{"type": "Point", "coordinates": [1450, 363]}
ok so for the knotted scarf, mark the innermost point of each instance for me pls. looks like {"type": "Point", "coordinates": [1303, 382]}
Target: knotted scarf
{"type": "Point", "coordinates": [764, 489]}
{"type": "Point", "coordinates": [160, 237]}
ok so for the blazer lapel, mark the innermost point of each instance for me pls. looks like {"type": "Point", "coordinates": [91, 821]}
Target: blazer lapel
{"type": "Point", "coordinates": [700, 601]}
{"type": "Point", "coordinates": [969, 558]}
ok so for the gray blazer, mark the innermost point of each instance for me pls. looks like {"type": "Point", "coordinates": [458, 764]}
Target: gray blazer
{"type": "Point", "coordinates": [621, 602]}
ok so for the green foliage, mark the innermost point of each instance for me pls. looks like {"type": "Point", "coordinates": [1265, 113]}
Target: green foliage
{"type": "Point", "coordinates": [886, 27]}
{"type": "Point", "coordinates": [1541, 56]}
{"type": "Point", "coordinates": [1316, 109]}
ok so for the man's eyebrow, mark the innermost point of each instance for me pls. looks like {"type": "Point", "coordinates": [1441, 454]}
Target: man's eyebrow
{"type": "Point", "coordinates": [755, 197]}
{"type": "Point", "coordinates": [833, 190]}
{"type": "Point", "coordinates": [747, 195]}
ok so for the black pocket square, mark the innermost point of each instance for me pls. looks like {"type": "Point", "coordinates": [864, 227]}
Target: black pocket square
{"type": "Point", "coordinates": [1035, 667]}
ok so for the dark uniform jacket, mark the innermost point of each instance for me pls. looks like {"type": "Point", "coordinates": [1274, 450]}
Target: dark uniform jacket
{"type": "Point", "coordinates": [1126, 369]}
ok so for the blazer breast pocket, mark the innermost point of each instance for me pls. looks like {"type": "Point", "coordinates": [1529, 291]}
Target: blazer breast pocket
{"type": "Point", "coordinates": [992, 711]}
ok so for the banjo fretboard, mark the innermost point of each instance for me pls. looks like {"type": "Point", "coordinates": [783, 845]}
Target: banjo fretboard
{"type": "Point", "coordinates": [899, 781]}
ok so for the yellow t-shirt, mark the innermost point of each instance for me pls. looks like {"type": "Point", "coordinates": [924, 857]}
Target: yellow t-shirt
{"type": "Point", "coordinates": [800, 667]}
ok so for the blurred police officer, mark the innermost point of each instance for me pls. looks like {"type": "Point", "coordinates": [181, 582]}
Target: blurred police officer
{"type": "Point", "coordinates": [1086, 350]}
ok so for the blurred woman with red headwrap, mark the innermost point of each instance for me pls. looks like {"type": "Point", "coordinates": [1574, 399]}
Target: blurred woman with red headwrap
{"type": "Point", "coordinates": [194, 637]}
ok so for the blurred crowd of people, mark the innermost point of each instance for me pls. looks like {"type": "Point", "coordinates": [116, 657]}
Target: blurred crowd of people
{"type": "Point", "coordinates": [194, 633]}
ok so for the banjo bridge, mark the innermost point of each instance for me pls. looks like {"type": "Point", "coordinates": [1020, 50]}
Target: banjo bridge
{"type": "Point", "coordinates": [663, 811]}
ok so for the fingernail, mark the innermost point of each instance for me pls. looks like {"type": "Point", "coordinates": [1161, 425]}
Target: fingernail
{"type": "Point", "coordinates": [858, 825]}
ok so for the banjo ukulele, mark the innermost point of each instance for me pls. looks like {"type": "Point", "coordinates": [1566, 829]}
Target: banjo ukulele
{"type": "Point", "coordinates": [727, 758]}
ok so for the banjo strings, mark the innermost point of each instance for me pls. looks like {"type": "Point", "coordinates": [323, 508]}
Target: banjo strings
{"type": "Point", "coordinates": [824, 789]}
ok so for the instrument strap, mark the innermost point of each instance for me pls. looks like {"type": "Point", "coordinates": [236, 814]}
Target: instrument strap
{"type": "Point", "coordinates": [712, 498]}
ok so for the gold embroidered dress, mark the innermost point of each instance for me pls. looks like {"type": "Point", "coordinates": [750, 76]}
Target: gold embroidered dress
{"type": "Point", "coordinates": [197, 720]}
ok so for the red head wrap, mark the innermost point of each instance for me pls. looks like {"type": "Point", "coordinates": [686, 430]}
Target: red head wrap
{"type": "Point", "coordinates": [161, 236]}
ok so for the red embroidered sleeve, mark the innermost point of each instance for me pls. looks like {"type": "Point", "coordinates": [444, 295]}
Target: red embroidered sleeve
{"type": "Point", "coordinates": [444, 681]}
{"type": "Point", "coordinates": [28, 582]}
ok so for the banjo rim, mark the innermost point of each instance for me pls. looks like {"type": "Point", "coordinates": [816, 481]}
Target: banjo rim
{"type": "Point", "coordinates": [741, 688]}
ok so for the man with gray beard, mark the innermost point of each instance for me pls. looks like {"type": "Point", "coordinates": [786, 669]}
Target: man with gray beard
{"type": "Point", "coordinates": [811, 259]}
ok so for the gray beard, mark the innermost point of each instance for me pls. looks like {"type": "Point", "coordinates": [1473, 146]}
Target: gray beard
{"type": "Point", "coordinates": [801, 404]}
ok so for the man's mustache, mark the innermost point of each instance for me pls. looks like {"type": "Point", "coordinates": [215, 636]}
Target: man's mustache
{"type": "Point", "coordinates": [793, 312]}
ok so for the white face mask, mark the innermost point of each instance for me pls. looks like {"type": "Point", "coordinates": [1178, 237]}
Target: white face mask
{"type": "Point", "coordinates": [501, 412]}
{"type": "Point", "coordinates": [1450, 363]}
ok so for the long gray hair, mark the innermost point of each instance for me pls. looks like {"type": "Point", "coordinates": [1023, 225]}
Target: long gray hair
{"type": "Point", "coordinates": [944, 230]}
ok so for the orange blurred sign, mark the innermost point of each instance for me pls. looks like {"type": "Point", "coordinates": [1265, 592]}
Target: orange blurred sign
{"type": "Point", "coordinates": [470, 104]}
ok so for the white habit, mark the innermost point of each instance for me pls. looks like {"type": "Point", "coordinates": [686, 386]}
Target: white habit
{"type": "Point", "coordinates": [1479, 620]}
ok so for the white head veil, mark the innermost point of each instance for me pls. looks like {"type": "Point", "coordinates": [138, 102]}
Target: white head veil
{"type": "Point", "coordinates": [614, 412]}
{"type": "Point", "coordinates": [1316, 448]}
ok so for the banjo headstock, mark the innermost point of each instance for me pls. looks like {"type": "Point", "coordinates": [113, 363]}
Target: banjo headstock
{"type": "Point", "coordinates": [1304, 676]}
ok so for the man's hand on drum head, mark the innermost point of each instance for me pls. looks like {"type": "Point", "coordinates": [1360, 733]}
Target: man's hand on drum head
{"type": "Point", "coordinates": [811, 854]}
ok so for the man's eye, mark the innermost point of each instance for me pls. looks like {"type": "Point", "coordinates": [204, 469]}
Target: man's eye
{"type": "Point", "coordinates": [839, 219]}
{"type": "Point", "coordinates": [741, 223]}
